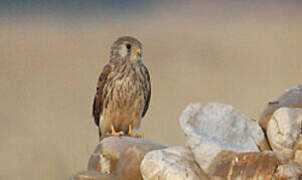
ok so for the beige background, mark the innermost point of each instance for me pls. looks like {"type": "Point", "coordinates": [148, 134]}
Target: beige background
{"type": "Point", "coordinates": [237, 53]}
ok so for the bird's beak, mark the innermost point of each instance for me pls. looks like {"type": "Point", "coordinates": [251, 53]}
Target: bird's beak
{"type": "Point", "coordinates": [137, 51]}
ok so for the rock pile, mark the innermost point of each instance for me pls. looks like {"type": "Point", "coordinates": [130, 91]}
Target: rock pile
{"type": "Point", "coordinates": [221, 143]}
{"type": "Point", "coordinates": [117, 158]}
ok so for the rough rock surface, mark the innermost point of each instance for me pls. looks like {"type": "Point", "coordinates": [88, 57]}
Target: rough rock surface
{"type": "Point", "coordinates": [118, 158]}
{"type": "Point", "coordinates": [284, 129]}
{"type": "Point", "coordinates": [289, 171]}
{"type": "Point", "coordinates": [92, 175]}
{"type": "Point", "coordinates": [290, 98]}
{"type": "Point", "coordinates": [222, 143]}
{"type": "Point", "coordinates": [298, 150]}
{"type": "Point", "coordinates": [250, 165]}
{"type": "Point", "coordinates": [258, 135]}
{"type": "Point", "coordinates": [213, 128]}
{"type": "Point", "coordinates": [173, 163]}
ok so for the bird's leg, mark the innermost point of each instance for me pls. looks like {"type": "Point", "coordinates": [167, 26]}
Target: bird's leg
{"type": "Point", "coordinates": [130, 130]}
{"type": "Point", "coordinates": [114, 133]}
{"type": "Point", "coordinates": [130, 133]}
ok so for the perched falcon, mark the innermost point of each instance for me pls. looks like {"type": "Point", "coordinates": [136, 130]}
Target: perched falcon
{"type": "Point", "coordinates": [123, 90]}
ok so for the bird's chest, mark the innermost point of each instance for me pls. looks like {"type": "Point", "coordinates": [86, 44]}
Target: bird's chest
{"type": "Point", "coordinates": [127, 82]}
{"type": "Point", "coordinates": [126, 88]}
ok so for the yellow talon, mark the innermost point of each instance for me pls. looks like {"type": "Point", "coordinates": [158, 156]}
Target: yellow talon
{"type": "Point", "coordinates": [130, 133]}
{"type": "Point", "coordinates": [114, 133]}
{"type": "Point", "coordinates": [130, 130]}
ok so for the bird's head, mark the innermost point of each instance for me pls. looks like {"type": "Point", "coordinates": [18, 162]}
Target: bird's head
{"type": "Point", "coordinates": [127, 47]}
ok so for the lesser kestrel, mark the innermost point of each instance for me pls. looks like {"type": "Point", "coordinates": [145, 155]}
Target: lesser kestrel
{"type": "Point", "coordinates": [123, 90]}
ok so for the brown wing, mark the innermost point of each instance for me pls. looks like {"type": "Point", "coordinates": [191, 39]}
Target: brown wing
{"type": "Point", "coordinates": [98, 98]}
{"type": "Point", "coordinates": [147, 89]}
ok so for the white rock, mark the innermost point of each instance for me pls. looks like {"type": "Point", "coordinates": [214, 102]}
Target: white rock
{"type": "Point", "coordinates": [292, 97]}
{"type": "Point", "coordinates": [283, 130]}
{"type": "Point", "coordinates": [298, 150]}
{"type": "Point", "coordinates": [213, 128]}
{"type": "Point", "coordinates": [258, 135]}
{"type": "Point", "coordinates": [289, 171]}
{"type": "Point", "coordinates": [173, 163]}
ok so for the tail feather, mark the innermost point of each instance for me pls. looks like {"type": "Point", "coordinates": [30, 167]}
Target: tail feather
{"type": "Point", "coordinates": [100, 135]}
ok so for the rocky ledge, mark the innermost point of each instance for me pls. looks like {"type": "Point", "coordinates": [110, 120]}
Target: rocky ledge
{"type": "Point", "coordinates": [221, 143]}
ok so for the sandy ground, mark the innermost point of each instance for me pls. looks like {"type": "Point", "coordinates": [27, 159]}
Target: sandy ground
{"type": "Point", "coordinates": [237, 54]}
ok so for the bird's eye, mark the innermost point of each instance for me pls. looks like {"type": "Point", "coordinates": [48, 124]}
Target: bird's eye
{"type": "Point", "coordinates": [128, 46]}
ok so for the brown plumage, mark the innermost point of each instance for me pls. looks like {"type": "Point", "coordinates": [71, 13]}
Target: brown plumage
{"type": "Point", "coordinates": [123, 90]}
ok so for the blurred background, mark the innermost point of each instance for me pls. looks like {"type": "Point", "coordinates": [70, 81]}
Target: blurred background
{"type": "Point", "coordinates": [243, 53]}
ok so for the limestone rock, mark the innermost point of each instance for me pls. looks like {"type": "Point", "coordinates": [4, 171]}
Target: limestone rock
{"type": "Point", "coordinates": [108, 153]}
{"type": "Point", "coordinates": [290, 98]}
{"type": "Point", "coordinates": [258, 135]}
{"type": "Point", "coordinates": [213, 128]}
{"type": "Point", "coordinates": [129, 164]}
{"type": "Point", "coordinates": [250, 165]}
{"type": "Point", "coordinates": [118, 158]}
{"type": "Point", "coordinates": [92, 175]}
{"type": "Point", "coordinates": [284, 129]}
{"type": "Point", "coordinates": [298, 151]}
{"type": "Point", "coordinates": [289, 171]}
{"type": "Point", "coordinates": [173, 163]}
